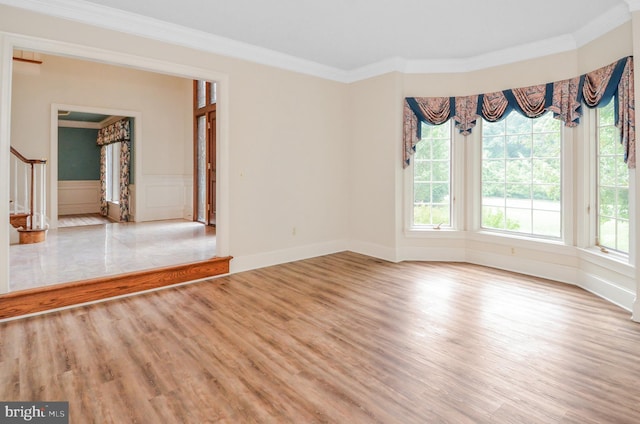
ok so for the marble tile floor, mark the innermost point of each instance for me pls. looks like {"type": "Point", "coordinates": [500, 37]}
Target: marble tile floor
{"type": "Point", "coordinates": [79, 253]}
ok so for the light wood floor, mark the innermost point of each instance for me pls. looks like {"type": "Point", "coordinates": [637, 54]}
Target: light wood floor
{"type": "Point", "coordinates": [80, 220]}
{"type": "Point", "coordinates": [340, 339]}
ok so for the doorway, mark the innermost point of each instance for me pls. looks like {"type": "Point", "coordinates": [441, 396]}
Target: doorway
{"type": "Point", "coordinates": [205, 128]}
{"type": "Point", "coordinates": [73, 191]}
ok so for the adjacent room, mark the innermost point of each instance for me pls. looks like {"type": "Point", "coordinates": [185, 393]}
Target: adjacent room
{"type": "Point", "coordinates": [371, 212]}
{"type": "Point", "coordinates": [95, 117]}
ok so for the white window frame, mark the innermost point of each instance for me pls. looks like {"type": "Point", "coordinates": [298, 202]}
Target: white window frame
{"type": "Point", "coordinates": [456, 187]}
{"type": "Point", "coordinates": [593, 200]}
{"type": "Point", "coordinates": [566, 211]}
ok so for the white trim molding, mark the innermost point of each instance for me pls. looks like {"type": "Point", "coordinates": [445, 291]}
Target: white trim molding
{"type": "Point", "coordinates": [634, 5]}
{"type": "Point", "coordinates": [117, 20]}
{"type": "Point", "coordinates": [636, 310]}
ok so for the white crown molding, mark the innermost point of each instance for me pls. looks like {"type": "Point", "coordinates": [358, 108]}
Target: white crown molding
{"type": "Point", "coordinates": [496, 58]}
{"type": "Point", "coordinates": [117, 20]}
{"type": "Point", "coordinates": [147, 27]}
{"type": "Point", "coordinates": [634, 5]}
{"type": "Point", "coordinates": [79, 124]}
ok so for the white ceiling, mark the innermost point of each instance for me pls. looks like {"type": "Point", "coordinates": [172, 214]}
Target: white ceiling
{"type": "Point", "coordinates": [349, 36]}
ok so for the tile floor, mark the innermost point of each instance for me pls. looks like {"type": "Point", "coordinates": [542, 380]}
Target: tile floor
{"type": "Point", "coordinates": [79, 253]}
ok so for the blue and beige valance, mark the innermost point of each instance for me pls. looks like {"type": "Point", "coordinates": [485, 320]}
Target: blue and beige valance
{"type": "Point", "coordinates": [563, 98]}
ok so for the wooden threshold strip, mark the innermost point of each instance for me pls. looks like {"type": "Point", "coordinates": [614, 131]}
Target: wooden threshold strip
{"type": "Point", "coordinates": [41, 299]}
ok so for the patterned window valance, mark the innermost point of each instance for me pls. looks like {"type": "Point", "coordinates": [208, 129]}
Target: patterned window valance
{"type": "Point", "coordinates": [563, 98]}
{"type": "Point", "coordinates": [117, 132]}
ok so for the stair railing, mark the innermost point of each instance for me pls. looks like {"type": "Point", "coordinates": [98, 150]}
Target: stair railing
{"type": "Point", "coordinates": [28, 190]}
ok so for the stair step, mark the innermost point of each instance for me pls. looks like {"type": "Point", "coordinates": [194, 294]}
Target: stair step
{"type": "Point", "coordinates": [18, 220]}
{"type": "Point", "coordinates": [24, 302]}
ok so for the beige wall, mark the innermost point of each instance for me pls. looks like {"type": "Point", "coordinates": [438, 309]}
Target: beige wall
{"type": "Point", "coordinates": [374, 154]}
{"type": "Point", "coordinates": [164, 102]}
{"type": "Point", "coordinates": [288, 153]}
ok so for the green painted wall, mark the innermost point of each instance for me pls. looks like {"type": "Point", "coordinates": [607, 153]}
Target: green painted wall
{"type": "Point", "coordinates": [78, 154]}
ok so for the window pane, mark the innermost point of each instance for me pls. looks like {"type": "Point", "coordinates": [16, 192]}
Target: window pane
{"type": "Point", "coordinates": [521, 217]}
{"type": "Point", "coordinates": [516, 193]}
{"type": "Point", "coordinates": [422, 171]}
{"type": "Point", "coordinates": [422, 214]}
{"type": "Point", "coordinates": [440, 171]}
{"type": "Point", "coordinates": [606, 115]}
{"type": "Point", "coordinates": [493, 191]}
{"type": "Point", "coordinates": [519, 171]}
{"type": "Point", "coordinates": [547, 222]}
{"type": "Point", "coordinates": [493, 147]}
{"type": "Point", "coordinates": [519, 146]}
{"type": "Point", "coordinates": [622, 236]}
{"type": "Point", "coordinates": [517, 124]}
{"type": "Point", "coordinates": [493, 217]}
{"type": "Point", "coordinates": [432, 177]}
{"type": "Point", "coordinates": [201, 170]}
{"type": "Point", "coordinates": [493, 171]}
{"type": "Point", "coordinates": [622, 206]}
{"type": "Point", "coordinates": [545, 124]}
{"type": "Point", "coordinates": [422, 193]}
{"type": "Point", "coordinates": [423, 151]}
{"type": "Point", "coordinates": [622, 172]}
{"type": "Point", "coordinates": [546, 171]}
{"type": "Point", "coordinates": [522, 187]}
{"type": "Point", "coordinates": [545, 145]}
{"type": "Point", "coordinates": [613, 185]}
{"type": "Point", "coordinates": [213, 93]}
{"type": "Point", "coordinates": [440, 148]}
{"type": "Point", "coordinates": [201, 93]}
{"type": "Point", "coordinates": [608, 170]}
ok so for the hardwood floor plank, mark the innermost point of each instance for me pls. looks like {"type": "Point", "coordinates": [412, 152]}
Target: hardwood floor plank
{"type": "Point", "coordinates": [340, 338]}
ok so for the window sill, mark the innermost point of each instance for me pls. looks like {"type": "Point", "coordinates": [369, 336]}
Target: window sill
{"type": "Point", "coordinates": [613, 261]}
{"type": "Point", "coordinates": [424, 232]}
{"type": "Point", "coordinates": [531, 243]}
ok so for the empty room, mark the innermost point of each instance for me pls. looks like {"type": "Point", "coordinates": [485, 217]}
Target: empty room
{"type": "Point", "coordinates": [370, 212]}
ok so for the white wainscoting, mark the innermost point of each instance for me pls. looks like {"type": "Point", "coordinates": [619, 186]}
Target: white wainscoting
{"type": "Point", "coordinates": [77, 197]}
{"type": "Point", "coordinates": [164, 197]}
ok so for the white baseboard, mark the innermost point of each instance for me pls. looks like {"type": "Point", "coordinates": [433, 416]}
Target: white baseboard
{"type": "Point", "coordinates": [374, 250]}
{"type": "Point", "coordinates": [14, 236]}
{"type": "Point", "coordinates": [432, 254]}
{"type": "Point", "coordinates": [607, 290]}
{"type": "Point", "coordinates": [551, 271]}
{"type": "Point", "coordinates": [636, 310]}
{"type": "Point", "coordinates": [248, 262]}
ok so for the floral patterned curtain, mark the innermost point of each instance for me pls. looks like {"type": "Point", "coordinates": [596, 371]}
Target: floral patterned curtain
{"type": "Point", "coordinates": [118, 132]}
{"type": "Point", "coordinates": [563, 98]}
{"type": "Point", "coordinates": [104, 209]}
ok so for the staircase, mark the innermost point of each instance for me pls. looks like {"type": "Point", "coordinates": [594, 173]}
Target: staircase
{"type": "Point", "coordinates": [27, 205]}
